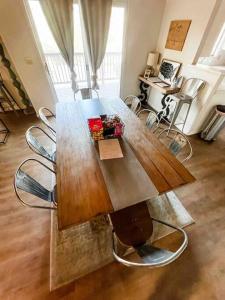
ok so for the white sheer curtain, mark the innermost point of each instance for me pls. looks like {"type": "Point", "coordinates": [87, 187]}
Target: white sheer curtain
{"type": "Point", "coordinates": [96, 19]}
{"type": "Point", "coordinates": [59, 15]}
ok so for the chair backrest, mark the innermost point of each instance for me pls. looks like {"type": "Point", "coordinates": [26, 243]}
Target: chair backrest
{"type": "Point", "coordinates": [148, 255]}
{"type": "Point", "coordinates": [152, 120]}
{"type": "Point", "coordinates": [176, 141]}
{"type": "Point", "coordinates": [134, 102]}
{"type": "Point", "coordinates": [36, 146]}
{"type": "Point", "coordinates": [26, 183]}
{"type": "Point", "coordinates": [192, 86]}
{"type": "Point", "coordinates": [87, 93]}
{"type": "Point", "coordinates": [43, 111]}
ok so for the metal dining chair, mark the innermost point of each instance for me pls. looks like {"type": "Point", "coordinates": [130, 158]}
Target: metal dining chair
{"type": "Point", "coordinates": [87, 93]}
{"type": "Point", "coordinates": [176, 141]}
{"type": "Point", "coordinates": [43, 111]}
{"type": "Point", "coordinates": [188, 93]}
{"type": "Point", "coordinates": [26, 183]}
{"type": "Point", "coordinates": [151, 121]}
{"type": "Point", "coordinates": [37, 147]}
{"type": "Point", "coordinates": [147, 254]}
{"type": "Point", "coordinates": [134, 103]}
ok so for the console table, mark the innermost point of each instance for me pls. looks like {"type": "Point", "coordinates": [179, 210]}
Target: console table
{"type": "Point", "coordinates": [145, 84]}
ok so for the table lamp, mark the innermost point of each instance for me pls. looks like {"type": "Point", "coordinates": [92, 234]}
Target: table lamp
{"type": "Point", "coordinates": [151, 64]}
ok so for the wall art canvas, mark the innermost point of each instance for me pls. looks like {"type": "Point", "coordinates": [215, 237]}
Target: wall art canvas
{"type": "Point", "coordinates": [177, 34]}
{"type": "Point", "coordinates": [168, 70]}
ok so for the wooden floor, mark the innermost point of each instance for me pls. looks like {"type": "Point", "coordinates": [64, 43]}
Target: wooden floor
{"type": "Point", "coordinates": [198, 274]}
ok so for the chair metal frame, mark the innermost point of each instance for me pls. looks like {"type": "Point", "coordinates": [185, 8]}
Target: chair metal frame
{"type": "Point", "coordinates": [135, 103]}
{"type": "Point", "coordinates": [150, 112]}
{"type": "Point", "coordinates": [200, 87]}
{"type": "Point", "coordinates": [183, 135]}
{"type": "Point", "coordinates": [90, 91]}
{"type": "Point", "coordinates": [44, 119]}
{"type": "Point", "coordinates": [16, 188]}
{"type": "Point", "coordinates": [161, 263]}
{"type": "Point", "coordinates": [31, 140]}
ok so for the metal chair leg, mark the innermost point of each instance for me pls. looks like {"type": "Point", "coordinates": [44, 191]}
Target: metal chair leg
{"type": "Point", "coordinates": [175, 114]}
{"type": "Point", "coordinates": [163, 113]}
{"type": "Point", "coordinates": [189, 104]}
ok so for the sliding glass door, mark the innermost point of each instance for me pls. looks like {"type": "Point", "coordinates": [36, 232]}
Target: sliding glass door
{"type": "Point", "coordinates": [110, 70]}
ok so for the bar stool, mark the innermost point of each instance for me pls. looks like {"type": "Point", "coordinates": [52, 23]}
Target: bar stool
{"type": "Point", "coordinates": [43, 113]}
{"type": "Point", "coordinates": [37, 147]}
{"type": "Point", "coordinates": [188, 93]}
{"type": "Point", "coordinates": [26, 183]}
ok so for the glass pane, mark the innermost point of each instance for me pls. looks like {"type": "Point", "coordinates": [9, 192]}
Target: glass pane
{"type": "Point", "coordinates": [58, 69]}
{"type": "Point", "coordinates": [46, 38]}
{"type": "Point", "coordinates": [109, 73]}
{"type": "Point", "coordinates": [110, 70]}
{"type": "Point", "coordinates": [220, 42]}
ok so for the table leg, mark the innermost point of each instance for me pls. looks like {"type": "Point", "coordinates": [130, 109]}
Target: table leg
{"type": "Point", "coordinates": [174, 116]}
{"type": "Point", "coordinates": [164, 106]}
{"type": "Point", "coordinates": [144, 94]}
{"type": "Point", "coordinates": [165, 111]}
{"type": "Point", "coordinates": [133, 224]}
{"type": "Point", "coordinates": [187, 113]}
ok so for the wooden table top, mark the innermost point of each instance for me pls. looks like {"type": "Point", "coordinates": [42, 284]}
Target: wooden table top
{"type": "Point", "coordinates": [81, 189]}
{"type": "Point", "coordinates": [164, 90]}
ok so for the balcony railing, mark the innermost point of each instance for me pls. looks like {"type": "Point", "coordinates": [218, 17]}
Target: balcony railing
{"type": "Point", "coordinates": [60, 73]}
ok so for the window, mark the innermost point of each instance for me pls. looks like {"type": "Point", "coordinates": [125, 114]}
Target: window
{"type": "Point", "coordinates": [110, 70]}
{"type": "Point", "coordinates": [220, 42]}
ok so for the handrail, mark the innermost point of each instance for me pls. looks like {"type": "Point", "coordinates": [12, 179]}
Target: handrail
{"type": "Point", "coordinates": [60, 72]}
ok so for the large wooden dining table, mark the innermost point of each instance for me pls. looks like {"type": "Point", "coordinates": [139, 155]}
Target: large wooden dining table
{"type": "Point", "coordinates": [82, 191]}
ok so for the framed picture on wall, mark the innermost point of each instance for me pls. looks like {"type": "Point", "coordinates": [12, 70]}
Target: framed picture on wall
{"type": "Point", "coordinates": [177, 34]}
{"type": "Point", "coordinates": [168, 70]}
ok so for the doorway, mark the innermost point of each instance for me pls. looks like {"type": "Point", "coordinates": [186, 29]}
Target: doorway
{"type": "Point", "coordinates": [110, 71]}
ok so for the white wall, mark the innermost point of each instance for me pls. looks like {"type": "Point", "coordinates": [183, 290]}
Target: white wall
{"type": "Point", "coordinates": [215, 28]}
{"type": "Point", "coordinates": [208, 98]}
{"type": "Point", "coordinates": [199, 11]}
{"type": "Point", "coordinates": [141, 35]}
{"type": "Point", "coordinates": [18, 38]}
